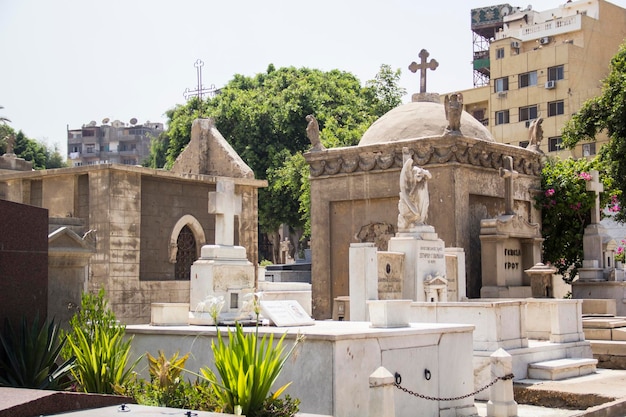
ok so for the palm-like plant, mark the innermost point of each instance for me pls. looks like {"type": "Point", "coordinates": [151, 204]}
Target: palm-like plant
{"type": "Point", "coordinates": [2, 118]}
{"type": "Point", "coordinates": [248, 367]}
{"type": "Point", "coordinates": [28, 356]}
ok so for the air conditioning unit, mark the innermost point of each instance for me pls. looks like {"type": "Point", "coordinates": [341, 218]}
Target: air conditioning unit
{"type": "Point", "coordinates": [501, 94]}
{"type": "Point", "coordinates": [545, 40]}
{"type": "Point", "coordinates": [550, 84]}
{"type": "Point", "coordinates": [515, 44]}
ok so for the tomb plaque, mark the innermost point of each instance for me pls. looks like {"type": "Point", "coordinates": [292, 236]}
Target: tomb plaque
{"type": "Point", "coordinates": [285, 313]}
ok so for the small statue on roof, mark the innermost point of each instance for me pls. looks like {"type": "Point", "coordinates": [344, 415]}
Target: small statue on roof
{"type": "Point", "coordinates": [453, 103]}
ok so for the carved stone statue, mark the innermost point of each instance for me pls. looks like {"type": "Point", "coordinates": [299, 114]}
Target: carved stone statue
{"type": "Point", "coordinates": [453, 104]}
{"type": "Point", "coordinates": [414, 199]}
{"type": "Point", "coordinates": [313, 133]}
{"type": "Point", "coordinates": [10, 141]}
{"type": "Point", "coordinates": [535, 134]}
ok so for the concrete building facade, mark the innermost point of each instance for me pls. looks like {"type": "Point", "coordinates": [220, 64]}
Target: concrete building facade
{"type": "Point", "coordinates": [530, 64]}
{"type": "Point", "coordinates": [115, 142]}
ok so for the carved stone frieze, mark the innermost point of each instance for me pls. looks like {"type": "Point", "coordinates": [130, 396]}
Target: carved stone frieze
{"type": "Point", "coordinates": [424, 152]}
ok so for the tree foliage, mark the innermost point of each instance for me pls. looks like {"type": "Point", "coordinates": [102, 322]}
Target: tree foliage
{"type": "Point", "coordinates": [566, 208]}
{"type": "Point", "coordinates": [606, 112]}
{"type": "Point", "coordinates": [38, 153]}
{"type": "Point", "coordinates": [263, 118]}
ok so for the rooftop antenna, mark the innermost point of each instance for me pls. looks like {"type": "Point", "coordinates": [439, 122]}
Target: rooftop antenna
{"type": "Point", "coordinates": [200, 90]}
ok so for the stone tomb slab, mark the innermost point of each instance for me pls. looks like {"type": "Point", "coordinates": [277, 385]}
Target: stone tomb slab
{"type": "Point", "coordinates": [558, 369]}
{"type": "Point", "coordinates": [604, 323]}
{"type": "Point", "coordinates": [331, 368]}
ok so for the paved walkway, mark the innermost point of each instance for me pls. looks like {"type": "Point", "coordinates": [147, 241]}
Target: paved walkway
{"type": "Point", "coordinates": [602, 394]}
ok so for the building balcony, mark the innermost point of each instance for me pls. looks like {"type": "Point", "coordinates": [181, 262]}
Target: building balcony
{"type": "Point", "coordinates": [543, 30]}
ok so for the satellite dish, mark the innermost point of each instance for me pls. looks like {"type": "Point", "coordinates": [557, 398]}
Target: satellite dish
{"type": "Point", "coordinates": [133, 121]}
{"type": "Point", "coordinates": [105, 120]}
{"type": "Point", "coordinates": [92, 123]}
{"type": "Point", "coordinates": [504, 11]}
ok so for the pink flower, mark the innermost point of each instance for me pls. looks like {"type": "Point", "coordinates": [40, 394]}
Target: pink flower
{"type": "Point", "coordinates": [585, 176]}
{"type": "Point", "coordinates": [576, 206]}
{"type": "Point", "coordinates": [549, 192]}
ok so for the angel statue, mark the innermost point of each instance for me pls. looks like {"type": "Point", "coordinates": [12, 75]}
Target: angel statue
{"type": "Point", "coordinates": [535, 134]}
{"type": "Point", "coordinates": [313, 133]}
{"type": "Point", "coordinates": [453, 103]}
{"type": "Point", "coordinates": [414, 199]}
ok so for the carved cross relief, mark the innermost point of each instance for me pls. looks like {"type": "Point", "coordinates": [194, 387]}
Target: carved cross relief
{"type": "Point", "coordinates": [596, 186]}
{"type": "Point", "coordinates": [509, 174]}
{"type": "Point", "coordinates": [225, 204]}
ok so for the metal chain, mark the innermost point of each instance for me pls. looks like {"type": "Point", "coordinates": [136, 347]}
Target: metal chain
{"type": "Point", "coordinates": [426, 397]}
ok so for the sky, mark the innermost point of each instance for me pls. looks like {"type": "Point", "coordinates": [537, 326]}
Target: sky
{"type": "Point", "coordinates": [68, 62]}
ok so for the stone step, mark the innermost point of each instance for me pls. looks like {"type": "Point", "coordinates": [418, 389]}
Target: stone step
{"type": "Point", "coordinates": [603, 322]}
{"type": "Point", "coordinates": [558, 369]}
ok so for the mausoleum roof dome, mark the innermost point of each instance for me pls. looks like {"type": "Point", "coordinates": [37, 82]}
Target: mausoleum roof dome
{"type": "Point", "coordinates": [420, 119]}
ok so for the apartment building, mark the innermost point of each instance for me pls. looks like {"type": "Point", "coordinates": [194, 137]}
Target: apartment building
{"type": "Point", "coordinates": [530, 64]}
{"type": "Point", "coordinates": [116, 142]}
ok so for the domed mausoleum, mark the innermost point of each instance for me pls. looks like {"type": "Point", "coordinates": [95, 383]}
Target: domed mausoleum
{"type": "Point", "coordinates": [354, 190]}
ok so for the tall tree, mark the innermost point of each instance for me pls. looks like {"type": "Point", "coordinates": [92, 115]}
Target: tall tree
{"type": "Point", "coordinates": [606, 112]}
{"type": "Point", "coordinates": [263, 118]}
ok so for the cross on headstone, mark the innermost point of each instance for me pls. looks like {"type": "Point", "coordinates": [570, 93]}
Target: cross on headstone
{"type": "Point", "coordinates": [596, 186]}
{"type": "Point", "coordinates": [509, 174]}
{"type": "Point", "coordinates": [225, 204]}
{"type": "Point", "coordinates": [423, 66]}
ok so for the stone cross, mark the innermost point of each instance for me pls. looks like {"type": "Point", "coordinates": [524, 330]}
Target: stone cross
{"type": "Point", "coordinates": [596, 186]}
{"type": "Point", "coordinates": [509, 174]}
{"type": "Point", "coordinates": [225, 204]}
{"type": "Point", "coordinates": [423, 66]}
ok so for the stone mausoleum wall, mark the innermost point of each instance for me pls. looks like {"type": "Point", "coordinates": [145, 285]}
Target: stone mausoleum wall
{"type": "Point", "coordinates": [356, 186]}
{"type": "Point", "coordinates": [134, 211]}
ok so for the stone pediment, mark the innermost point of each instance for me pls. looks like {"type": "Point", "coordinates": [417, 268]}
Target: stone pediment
{"type": "Point", "coordinates": [209, 153]}
{"type": "Point", "coordinates": [435, 281]}
{"type": "Point", "coordinates": [510, 225]}
{"type": "Point", "coordinates": [64, 239]}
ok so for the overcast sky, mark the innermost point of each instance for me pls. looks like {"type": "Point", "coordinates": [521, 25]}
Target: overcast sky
{"type": "Point", "coordinates": [68, 62]}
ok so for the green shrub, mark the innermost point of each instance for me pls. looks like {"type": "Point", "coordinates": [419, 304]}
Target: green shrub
{"type": "Point", "coordinates": [167, 389]}
{"type": "Point", "coordinates": [28, 356]}
{"type": "Point", "coordinates": [97, 341]}
{"type": "Point", "coordinates": [248, 367]}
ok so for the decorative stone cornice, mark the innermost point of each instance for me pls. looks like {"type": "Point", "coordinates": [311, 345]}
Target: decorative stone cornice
{"type": "Point", "coordinates": [425, 151]}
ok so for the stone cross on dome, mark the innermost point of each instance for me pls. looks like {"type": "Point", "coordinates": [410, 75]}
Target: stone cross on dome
{"type": "Point", "coordinates": [423, 66]}
{"type": "Point", "coordinates": [509, 174]}
{"type": "Point", "coordinates": [596, 186]}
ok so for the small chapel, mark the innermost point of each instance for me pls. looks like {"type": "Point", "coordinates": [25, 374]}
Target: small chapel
{"type": "Point", "coordinates": [138, 230]}
{"type": "Point", "coordinates": [354, 190]}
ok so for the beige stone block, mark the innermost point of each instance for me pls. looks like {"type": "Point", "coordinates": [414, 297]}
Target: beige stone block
{"type": "Point", "coordinates": [599, 306]}
{"type": "Point", "coordinates": [603, 323]}
{"type": "Point", "coordinates": [608, 347]}
{"type": "Point", "coordinates": [597, 334]}
{"type": "Point", "coordinates": [618, 334]}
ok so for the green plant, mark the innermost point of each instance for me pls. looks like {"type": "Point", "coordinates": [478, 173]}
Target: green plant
{"type": "Point", "coordinates": [620, 254]}
{"type": "Point", "coordinates": [167, 389]}
{"type": "Point", "coordinates": [28, 356]}
{"type": "Point", "coordinates": [266, 262]}
{"type": "Point", "coordinates": [565, 206]}
{"type": "Point", "coordinates": [279, 407]}
{"type": "Point", "coordinates": [248, 367]}
{"type": "Point", "coordinates": [97, 341]}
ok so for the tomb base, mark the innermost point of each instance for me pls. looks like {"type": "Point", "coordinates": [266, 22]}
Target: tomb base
{"type": "Point", "coordinates": [424, 261]}
{"type": "Point", "coordinates": [221, 271]}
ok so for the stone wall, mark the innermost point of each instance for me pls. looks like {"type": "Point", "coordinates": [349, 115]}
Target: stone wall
{"type": "Point", "coordinates": [352, 187]}
{"type": "Point", "coordinates": [23, 262]}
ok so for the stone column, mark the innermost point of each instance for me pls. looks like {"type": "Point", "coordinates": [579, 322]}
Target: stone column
{"type": "Point", "coordinates": [501, 402]}
{"type": "Point", "coordinates": [381, 394]}
{"type": "Point", "coordinates": [363, 279]}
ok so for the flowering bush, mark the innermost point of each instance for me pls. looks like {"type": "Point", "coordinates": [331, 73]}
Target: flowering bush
{"type": "Point", "coordinates": [620, 254]}
{"type": "Point", "coordinates": [566, 206]}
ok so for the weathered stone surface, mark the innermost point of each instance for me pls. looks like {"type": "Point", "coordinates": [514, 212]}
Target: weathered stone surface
{"type": "Point", "coordinates": [208, 153]}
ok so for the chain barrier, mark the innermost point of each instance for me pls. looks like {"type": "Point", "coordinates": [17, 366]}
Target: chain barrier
{"type": "Point", "coordinates": [398, 381]}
